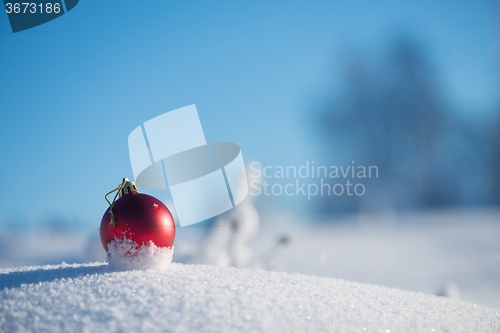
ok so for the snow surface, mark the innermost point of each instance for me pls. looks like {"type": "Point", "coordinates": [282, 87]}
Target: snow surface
{"type": "Point", "coordinates": [456, 253]}
{"type": "Point", "coordinates": [196, 298]}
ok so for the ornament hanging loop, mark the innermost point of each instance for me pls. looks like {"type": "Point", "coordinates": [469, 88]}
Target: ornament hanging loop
{"type": "Point", "coordinates": [112, 222]}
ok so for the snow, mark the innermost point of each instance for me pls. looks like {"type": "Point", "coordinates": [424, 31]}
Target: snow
{"type": "Point", "coordinates": [197, 298]}
{"type": "Point", "coordinates": [456, 253]}
{"type": "Point", "coordinates": [227, 241]}
{"type": "Point", "coordinates": [125, 254]}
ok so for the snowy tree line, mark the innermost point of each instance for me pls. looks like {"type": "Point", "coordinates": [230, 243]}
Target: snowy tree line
{"type": "Point", "coordinates": [393, 114]}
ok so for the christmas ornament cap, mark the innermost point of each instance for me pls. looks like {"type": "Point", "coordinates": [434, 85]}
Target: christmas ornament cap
{"type": "Point", "coordinates": [128, 187]}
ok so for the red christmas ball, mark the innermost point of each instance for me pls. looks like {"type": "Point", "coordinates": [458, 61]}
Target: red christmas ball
{"type": "Point", "coordinates": [139, 217]}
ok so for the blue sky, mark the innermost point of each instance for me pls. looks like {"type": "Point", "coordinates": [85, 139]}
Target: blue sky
{"type": "Point", "coordinates": [73, 89]}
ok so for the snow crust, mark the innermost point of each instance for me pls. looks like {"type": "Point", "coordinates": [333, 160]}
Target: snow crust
{"type": "Point", "coordinates": [125, 254]}
{"type": "Point", "coordinates": [196, 298]}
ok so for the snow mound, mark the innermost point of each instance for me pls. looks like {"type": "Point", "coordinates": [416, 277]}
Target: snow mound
{"type": "Point", "coordinates": [196, 298]}
{"type": "Point", "coordinates": [125, 254]}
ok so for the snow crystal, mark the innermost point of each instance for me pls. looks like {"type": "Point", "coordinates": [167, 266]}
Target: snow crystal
{"type": "Point", "coordinates": [198, 298]}
{"type": "Point", "coordinates": [125, 254]}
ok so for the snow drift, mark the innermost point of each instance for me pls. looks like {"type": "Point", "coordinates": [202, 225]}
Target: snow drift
{"type": "Point", "coordinates": [191, 298]}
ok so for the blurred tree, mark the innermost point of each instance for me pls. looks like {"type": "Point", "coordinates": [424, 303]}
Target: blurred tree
{"type": "Point", "coordinates": [395, 119]}
{"type": "Point", "coordinates": [494, 138]}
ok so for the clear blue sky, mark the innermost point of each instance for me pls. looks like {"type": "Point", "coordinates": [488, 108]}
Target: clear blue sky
{"type": "Point", "coordinates": [73, 89]}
